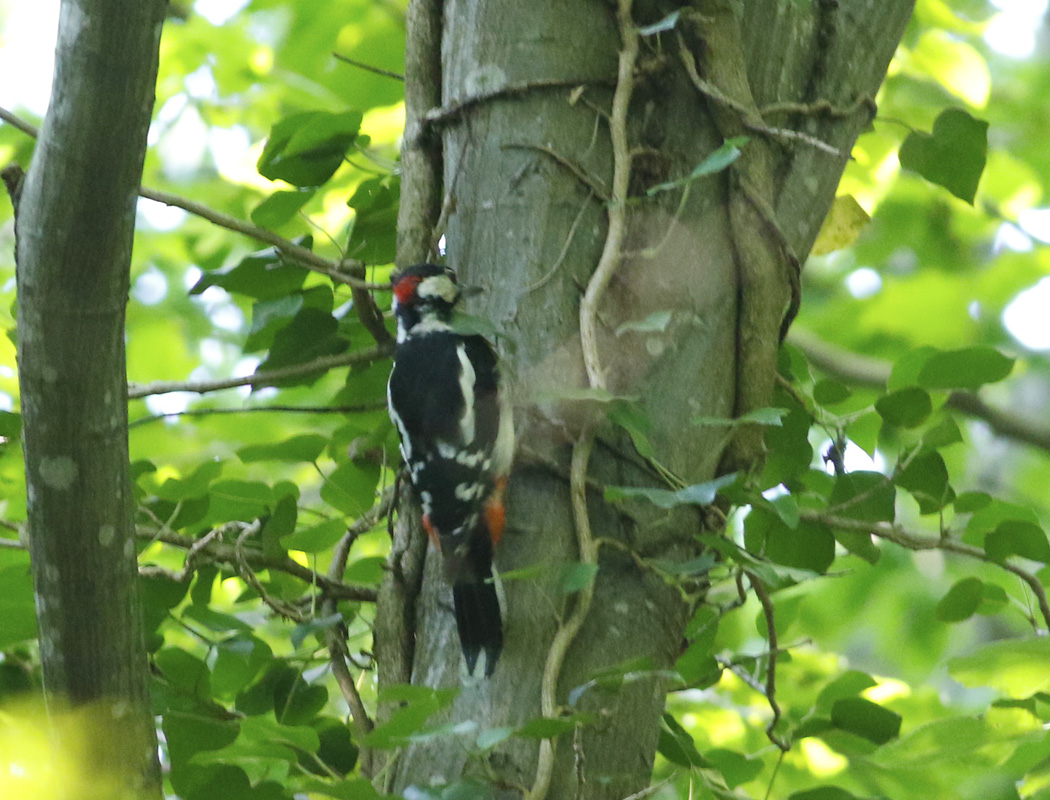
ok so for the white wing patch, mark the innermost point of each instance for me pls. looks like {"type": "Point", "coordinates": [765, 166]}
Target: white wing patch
{"type": "Point", "coordinates": [404, 442]}
{"type": "Point", "coordinates": [466, 387]}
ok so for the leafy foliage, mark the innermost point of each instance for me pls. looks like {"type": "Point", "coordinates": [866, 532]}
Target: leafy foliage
{"type": "Point", "coordinates": [242, 505]}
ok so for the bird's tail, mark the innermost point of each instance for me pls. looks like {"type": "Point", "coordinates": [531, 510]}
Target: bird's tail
{"type": "Point", "coordinates": [476, 599]}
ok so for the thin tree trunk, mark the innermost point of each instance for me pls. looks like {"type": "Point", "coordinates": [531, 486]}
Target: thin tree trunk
{"type": "Point", "coordinates": [526, 92]}
{"type": "Point", "coordinates": [75, 222]}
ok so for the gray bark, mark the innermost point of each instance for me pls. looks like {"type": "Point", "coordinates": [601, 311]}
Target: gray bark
{"type": "Point", "coordinates": [75, 224]}
{"type": "Point", "coordinates": [514, 206]}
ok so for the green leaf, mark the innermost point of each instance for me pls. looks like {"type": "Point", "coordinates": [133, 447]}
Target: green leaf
{"type": "Point", "coordinates": [366, 570]}
{"type": "Point", "coordinates": [952, 156]}
{"type": "Point", "coordinates": [10, 424]}
{"type": "Point", "coordinates": [280, 207]}
{"type": "Point", "coordinates": [239, 500]}
{"type": "Point", "coordinates": [809, 546]}
{"type": "Point", "coordinates": [305, 447]}
{"type": "Point", "coordinates": [312, 333]}
{"type": "Point", "coordinates": [193, 485]}
{"type": "Point", "coordinates": [577, 576]}
{"type": "Point", "coordinates": [968, 368]}
{"type": "Point", "coordinates": [828, 392]}
{"type": "Point", "coordinates": [863, 495]}
{"type": "Point", "coordinates": [1018, 537]}
{"type": "Point", "coordinates": [1015, 667]}
{"type": "Point", "coordinates": [961, 601]}
{"type": "Point", "coordinates": [971, 501]}
{"type": "Point", "coordinates": [823, 793]}
{"type": "Point", "coordinates": [866, 719]}
{"type": "Point", "coordinates": [666, 24]}
{"type": "Point", "coordinates": [263, 275]}
{"type": "Point", "coordinates": [316, 538]}
{"type": "Point", "coordinates": [905, 408]}
{"type": "Point", "coordinates": [551, 727]}
{"type": "Point", "coordinates": [717, 161]}
{"type": "Point", "coordinates": [351, 488]}
{"type": "Point", "coordinates": [701, 494]}
{"type": "Point", "coordinates": [305, 149]}
{"type": "Point", "coordinates": [316, 625]}
{"type": "Point", "coordinates": [849, 684]}
{"type": "Point", "coordinates": [677, 746]}
{"type": "Point", "coordinates": [926, 478]}
{"type": "Point", "coordinates": [760, 416]}
{"type": "Point", "coordinates": [735, 767]}
{"type": "Point", "coordinates": [656, 322]}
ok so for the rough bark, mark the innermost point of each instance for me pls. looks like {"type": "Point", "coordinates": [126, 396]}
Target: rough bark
{"type": "Point", "coordinates": [75, 224]}
{"type": "Point", "coordinates": [528, 163]}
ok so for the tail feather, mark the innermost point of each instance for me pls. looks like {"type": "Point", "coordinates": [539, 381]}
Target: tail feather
{"type": "Point", "coordinates": [480, 624]}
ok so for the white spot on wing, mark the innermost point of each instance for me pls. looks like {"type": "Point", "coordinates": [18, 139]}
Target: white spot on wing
{"type": "Point", "coordinates": [466, 386]}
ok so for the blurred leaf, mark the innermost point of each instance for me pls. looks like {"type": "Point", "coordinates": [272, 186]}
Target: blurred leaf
{"type": "Point", "coordinates": [866, 719]}
{"type": "Point", "coordinates": [906, 408]}
{"type": "Point", "coordinates": [280, 207]}
{"type": "Point", "coordinates": [656, 322]}
{"type": "Point", "coordinates": [666, 24]}
{"type": "Point", "coordinates": [701, 494]}
{"type": "Point", "coordinates": [316, 538]}
{"type": "Point", "coordinates": [962, 600]}
{"type": "Point", "coordinates": [969, 368]}
{"type": "Point", "coordinates": [829, 392]}
{"type": "Point", "coordinates": [861, 495]}
{"type": "Point", "coordinates": [926, 478]}
{"type": "Point", "coordinates": [718, 160]}
{"type": "Point", "coordinates": [735, 767]}
{"type": "Point", "coordinates": [1017, 537]}
{"type": "Point", "coordinates": [841, 227]}
{"type": "Point", "coordinates": [953, 156]}
{"type": "Point", "coordinates": [263, 275]}
{"type": "Point", "coordinates": [306, 148]}
{"type": "Point", "coordinates": [1015, 667]}
{"type": "Point", "coordinates": [305, 447]}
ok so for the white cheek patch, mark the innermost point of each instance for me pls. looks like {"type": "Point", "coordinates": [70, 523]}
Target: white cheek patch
{"type": "Point", "coordinates": [438, 287]}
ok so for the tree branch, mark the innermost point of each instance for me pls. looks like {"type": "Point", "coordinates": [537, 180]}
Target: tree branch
{"type": "Point", "coordinates": [207, 412]}
{"type": "Point", "coordinates": [267, 378]}
{"type": "Point", "coordinates": [337, 271]}
{"type": "Point", "coordinates": [256, 559]}
{"type": "Point", "coordinates": [916, 541]}
{"type": "Point", "coordinates": [861, 370]}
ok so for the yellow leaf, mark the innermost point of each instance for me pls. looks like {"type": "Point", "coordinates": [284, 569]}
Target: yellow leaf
{"type": "Point", "coordinates": [841, 227]}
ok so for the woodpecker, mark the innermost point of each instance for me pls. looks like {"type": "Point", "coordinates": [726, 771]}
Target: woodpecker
{"type": "Point", "coordinates": [457, 440]}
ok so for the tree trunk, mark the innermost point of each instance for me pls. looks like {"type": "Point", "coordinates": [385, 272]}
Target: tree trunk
{"type": "Point", "coordinates": [75, 222]}
{"type": "Point", "coordinates": [527, 90]}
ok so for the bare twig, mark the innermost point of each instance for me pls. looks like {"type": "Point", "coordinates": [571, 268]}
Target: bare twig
{"type": "Point", "coordinates": [565, 248]}
{"type": "Point", "coordinates": [446, 114]}
{"type": "Point", "coordinates": [771, 660]}
{"type": "Point", "coordinates": [916, 541]}
{"type": "Point", "coordinates": [249, 576]}
{"type": "Point", "coordinates": [612, 255]}
{"type": "Point", "coordinates": [589, 182]}
{"type": "Point", "coordinates": [268, 378]}
{"type": "Point", "coordinates": [823, 108]}
{"type": "Point", "coordinates": [563, 639]}
{"type": "Point", "coordinates": [256, 559]}
{"type": "Point", "coordinates": [386, 73]}
{"type": "Point", "coordinates": [335, 636]}
{"type": "Point", "coordinates": [207, 412]}
{"type": "Point", "coordinates": [17, 122]}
